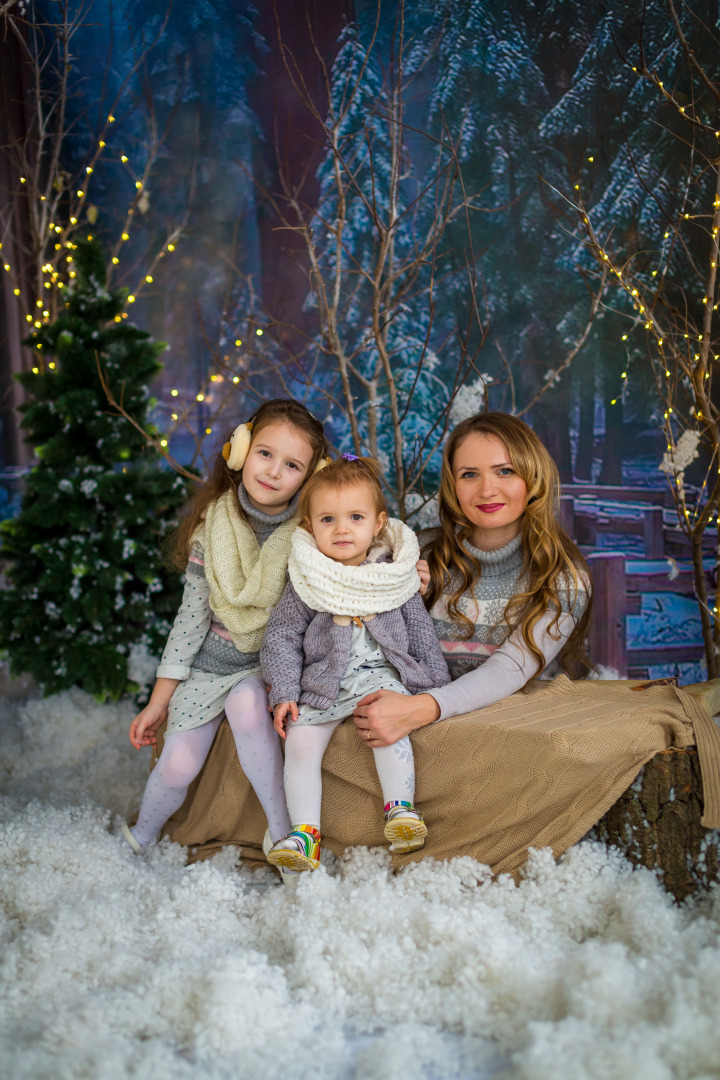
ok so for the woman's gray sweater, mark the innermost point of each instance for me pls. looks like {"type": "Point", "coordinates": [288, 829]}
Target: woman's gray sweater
{"type": "Point", "coordinates": [494, 662]}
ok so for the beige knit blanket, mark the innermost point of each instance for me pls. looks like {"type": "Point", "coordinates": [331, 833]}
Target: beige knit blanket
{"type": "Point", "coordinates": [538, 769]}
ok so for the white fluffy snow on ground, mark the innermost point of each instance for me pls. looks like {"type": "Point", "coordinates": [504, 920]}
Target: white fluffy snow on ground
{"type": "Point", "coordinates": [115, 966]}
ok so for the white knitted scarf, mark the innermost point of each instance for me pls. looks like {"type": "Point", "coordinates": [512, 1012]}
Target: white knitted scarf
{"type": "Point", "coordinates": [326, 585]}
{"type": "Point", "coordinates": [246, 580]}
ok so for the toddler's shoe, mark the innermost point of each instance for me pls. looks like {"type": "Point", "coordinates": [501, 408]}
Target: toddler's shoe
{"type": "Point", "coordinates": [289, 877]}
{"type": "Point", "coordinates": [299, 850]}
{"type": "Point", "coordinates": [404, 827]}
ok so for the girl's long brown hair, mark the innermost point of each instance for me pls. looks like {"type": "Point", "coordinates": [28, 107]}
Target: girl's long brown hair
{"type": "Point", "coordinates": [552, 563]}
{"type": "Point", "coordinates": [222, 479]}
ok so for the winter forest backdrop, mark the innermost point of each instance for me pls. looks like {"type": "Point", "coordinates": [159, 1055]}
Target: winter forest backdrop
{"type": "Point", "coordinates": [399, 214]}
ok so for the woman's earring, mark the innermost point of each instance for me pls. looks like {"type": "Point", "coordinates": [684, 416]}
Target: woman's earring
{"type": "Point", "coordinates": [322, 464]}
{"type": "Point", "coordinates": [235, 452]}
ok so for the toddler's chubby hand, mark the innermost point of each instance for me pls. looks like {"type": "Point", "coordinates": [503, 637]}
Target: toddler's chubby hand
{"type": "Point", "coordinates": [280, 716]}
{"type": "Point", "coordinates": [424, 571]}
{"type": "Point", "coordinates": [145, 725]}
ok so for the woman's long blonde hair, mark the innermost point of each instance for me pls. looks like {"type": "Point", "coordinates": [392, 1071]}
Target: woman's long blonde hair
{"type": "Point", "coordinates": [552, 563]}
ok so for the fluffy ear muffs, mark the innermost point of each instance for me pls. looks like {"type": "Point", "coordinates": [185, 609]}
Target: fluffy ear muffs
{"type": "Point", "coordinates": [235, 452]}
{"type": "Point", "coordinates": [322, 464]}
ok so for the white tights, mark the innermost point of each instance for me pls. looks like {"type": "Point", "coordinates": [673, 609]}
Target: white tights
{"type": "Point", "coordinates": [184, 754]}
{"type": "Point", "coordinates": [304, 749]}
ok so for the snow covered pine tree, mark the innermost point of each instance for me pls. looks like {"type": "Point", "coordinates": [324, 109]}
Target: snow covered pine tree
{"type": "Point", "coordinates": [85, 583]}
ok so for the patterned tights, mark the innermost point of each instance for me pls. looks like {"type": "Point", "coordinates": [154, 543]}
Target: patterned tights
{"type": "Point", "coordinates": [184, 754]}
{"type": "Point", "coordinates": [304, 750]}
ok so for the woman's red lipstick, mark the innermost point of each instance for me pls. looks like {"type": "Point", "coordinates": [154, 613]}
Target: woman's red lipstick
{"type": "Point", "coordinates": [490, 508]}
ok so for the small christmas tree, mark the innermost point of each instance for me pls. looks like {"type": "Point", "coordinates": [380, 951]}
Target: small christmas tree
{"type": "Point", "coordinates": [85, 578]}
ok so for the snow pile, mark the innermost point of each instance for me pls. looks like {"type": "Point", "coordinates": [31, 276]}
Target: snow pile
{"type": "Point", "coordinates": [117, 966]}
{"type": "Point", "coordinates": [67, 747]}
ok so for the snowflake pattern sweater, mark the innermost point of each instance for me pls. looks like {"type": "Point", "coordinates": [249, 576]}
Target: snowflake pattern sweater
{"type": "Point", "coordinates": [500, 580]}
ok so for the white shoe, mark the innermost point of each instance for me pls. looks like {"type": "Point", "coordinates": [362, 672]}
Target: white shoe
{"type": "Point", "coordinates": [404, 827]}
{"type": "Point", "coordinates": [137, 848]}
{"type": "Point", "coordinates": [289, 877]}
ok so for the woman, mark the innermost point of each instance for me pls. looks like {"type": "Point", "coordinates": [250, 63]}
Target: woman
{"type": "Point", "coordinates": [507, 589]}
{"type": "Point", "coordinates": [517, 762]}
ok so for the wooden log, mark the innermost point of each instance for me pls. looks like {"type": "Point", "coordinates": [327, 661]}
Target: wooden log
{"type": "Point", "coordinates": [656, 823]}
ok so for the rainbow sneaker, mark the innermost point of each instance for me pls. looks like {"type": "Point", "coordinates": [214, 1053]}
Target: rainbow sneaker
{"type": "Point", "coordinates": [299, 850]}
{"type": "Point", "coordinates": [404, 827]}
{"type": "Point", "coordinates": [289, 877]}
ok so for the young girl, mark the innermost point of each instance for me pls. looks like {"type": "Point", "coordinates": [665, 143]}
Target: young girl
{"type": "Point", "coordinates": [234, 543]}
{"type": "Point", "coordinates": [351, 621]}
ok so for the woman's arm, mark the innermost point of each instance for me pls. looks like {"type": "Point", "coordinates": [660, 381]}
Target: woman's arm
{"type": "Point", "coordinates": [506, 671]}
{"type": "Point", "coordinates": [390, 716]}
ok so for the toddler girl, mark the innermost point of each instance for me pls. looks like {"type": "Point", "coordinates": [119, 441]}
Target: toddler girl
{"type": "Point", "coordinates": [234, 543]}
{"type": "Point", "coordinates": [350, 622]}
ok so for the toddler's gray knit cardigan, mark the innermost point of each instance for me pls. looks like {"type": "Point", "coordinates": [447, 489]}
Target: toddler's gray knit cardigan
{"type": "Point", "coordinates": [305, 654]}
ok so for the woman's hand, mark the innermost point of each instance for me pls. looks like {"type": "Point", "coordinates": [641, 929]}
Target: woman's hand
{"type": "Point", "coordinates": [424, 571]}
{"type": "Point", "coordinates": [280, 716]}
{"type": "Point", "coordinates": [385, 717]}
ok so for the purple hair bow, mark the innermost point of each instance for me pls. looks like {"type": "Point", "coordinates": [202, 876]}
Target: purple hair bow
{"type": "Point", "coordinates": [350, 457]}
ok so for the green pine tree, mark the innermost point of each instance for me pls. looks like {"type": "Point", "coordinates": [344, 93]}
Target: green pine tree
{"type": "Point", "coordinates": [85, 577]}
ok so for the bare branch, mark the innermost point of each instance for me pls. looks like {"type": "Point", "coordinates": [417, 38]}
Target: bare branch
{"type": "Point", "coordinates": [151, 440]}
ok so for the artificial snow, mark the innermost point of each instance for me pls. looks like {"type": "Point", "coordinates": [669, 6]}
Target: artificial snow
{"type": "Point", "coordinates": [116, 966]}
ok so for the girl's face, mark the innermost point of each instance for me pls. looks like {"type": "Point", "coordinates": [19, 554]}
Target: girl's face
{"type": "Point", "coordinates": [491, 494]}
{"type": "Point", "coordinates": [344, 522]}
{"type": "Point", "coordinates": [277, 464]}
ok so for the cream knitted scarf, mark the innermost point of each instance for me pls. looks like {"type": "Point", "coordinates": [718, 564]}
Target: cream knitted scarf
{"type": "Point", "coordinates": [326, 585]}
{"type": "Point", "coordinates": [246, 580]}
